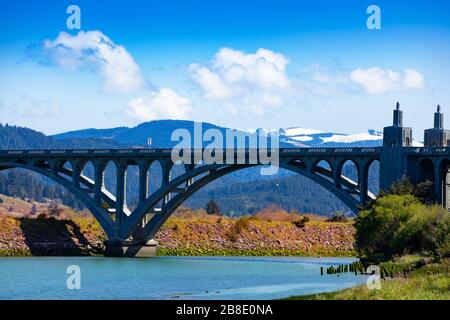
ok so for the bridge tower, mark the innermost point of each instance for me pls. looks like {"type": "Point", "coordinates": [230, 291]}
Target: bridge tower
{"type": "Point", "coordinates": [437, 136]}
{"type": "Point", "coordinates": [393, 165]}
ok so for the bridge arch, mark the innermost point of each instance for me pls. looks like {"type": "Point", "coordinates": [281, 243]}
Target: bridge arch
{"type": "Point", "coordinates": [348, 162]}
{"type": "Point", "coordinates": [368, 173]}
{"type": "Point", "coordinates": [425, 170]}
{"type": "Point", "coordinates": [323, 167]}
{"type": "Point", "coordinates": [102, 217]}
{"type": "Point", "coordinates": [214, 172]}
{"type": "Point", "coordinates": [444, 168]}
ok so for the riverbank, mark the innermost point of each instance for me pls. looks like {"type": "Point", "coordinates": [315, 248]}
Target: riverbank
{"type": "Point", "coordinates": [33, 229]}
{"type": "Point", "coordinates": [427, 282]}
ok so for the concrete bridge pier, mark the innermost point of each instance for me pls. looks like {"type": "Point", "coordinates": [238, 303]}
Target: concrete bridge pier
{"type": "Point", "coordinates": [130, 248]}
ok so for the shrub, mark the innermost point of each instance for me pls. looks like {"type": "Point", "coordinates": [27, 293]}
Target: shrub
{"type": "Point", "coordinates": [423, 190]}
{"type": "Point", "coordinates": [337, 217]}
{"type": "Point", "coordinates": [400, 224]}
{"type": "Point", "coordinates": [213, 208]}
{"type": "Point", "coordinates": [239, 226]}
{"type": "Point", "coordinates": [54, 210]}
{"type": "Point", "coordinates": [301, 222]}
{"type": "Point", "coordinates": [33, 210]}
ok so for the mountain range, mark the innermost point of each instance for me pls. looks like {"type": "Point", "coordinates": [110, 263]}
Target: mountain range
{"type": "Point", "coordinates": [159, 132]}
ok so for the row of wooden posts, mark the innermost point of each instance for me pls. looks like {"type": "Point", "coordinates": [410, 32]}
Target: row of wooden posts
{"type": "Point", "coordinates": [358, 267]}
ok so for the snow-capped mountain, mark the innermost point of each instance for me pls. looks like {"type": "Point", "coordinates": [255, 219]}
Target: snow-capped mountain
{"type": "Point", "coordinates": [316, 138]}
{"type": "Point", "coordinates": [305, 137]}
{"type": "Point", "coordinates": [160, 132]}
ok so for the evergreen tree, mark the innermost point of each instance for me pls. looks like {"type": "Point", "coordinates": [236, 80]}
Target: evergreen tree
{"type": "Point", "coordinates": [33, 210]}
{"type": "Point", "coordinates": [213, 208]}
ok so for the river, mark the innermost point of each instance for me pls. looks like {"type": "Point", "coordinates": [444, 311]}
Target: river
{"type": "Point", "coordinates": [170, 277]}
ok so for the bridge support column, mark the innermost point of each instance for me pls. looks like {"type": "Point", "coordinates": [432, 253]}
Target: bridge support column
{"type": "Point", "coordinates": [438, 185]}
{"type": "Point", "coordinates": [143, 193]}
{"type": "Point", "coordinates": [337, 177]}
{"type": "Point", "coordinates": [143, 182]}
{"type": "Point", "coordinates": [77, 168]}
{"type": "Point", "coordinates": [130, 248]}
{"type": "Point", "coordinates": [363, 185]}
{"type": "Point", "coordinates": [121, 193]}
{"type": "Point", "coordinates": [99, 182]}
{"type": "Point", "coordinates": [165, 180]}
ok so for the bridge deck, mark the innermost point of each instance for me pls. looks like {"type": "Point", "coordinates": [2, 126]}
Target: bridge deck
{"type": "Point", "coordinates": [54, 153]}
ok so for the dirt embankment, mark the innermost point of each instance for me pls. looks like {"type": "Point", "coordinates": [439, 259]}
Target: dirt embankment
{"type": "Point", "coordinates": [247, 234]}
{"type": "Point", "coordinates": [47, 231]}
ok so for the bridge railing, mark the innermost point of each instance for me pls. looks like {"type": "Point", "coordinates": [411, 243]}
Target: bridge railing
{"type": "Point", "coordinates": [168, 151]}
{"type": "Point", "coordinates": [427, 150]}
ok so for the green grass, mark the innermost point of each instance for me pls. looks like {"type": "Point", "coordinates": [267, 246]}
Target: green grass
{"type": "Point", "coordinates": [253, 252]}
{"type": "Point", "coordinates": [15, 253]}
{"type": "Point", "coordinates": [431, 282]}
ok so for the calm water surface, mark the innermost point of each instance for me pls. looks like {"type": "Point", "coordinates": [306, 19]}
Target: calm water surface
{"type": "Point", "coordinates": [171, 277]}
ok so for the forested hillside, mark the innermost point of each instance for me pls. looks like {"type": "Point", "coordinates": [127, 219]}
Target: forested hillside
{"type": "Point", "coordinates": [240, 193]}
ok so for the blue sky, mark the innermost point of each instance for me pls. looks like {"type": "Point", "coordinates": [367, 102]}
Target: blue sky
{"type": "Point", "coordinates": [240, 64]}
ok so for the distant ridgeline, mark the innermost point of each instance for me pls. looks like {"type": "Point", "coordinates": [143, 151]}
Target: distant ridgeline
{"type": "Point", "coordinates": [243, 192]}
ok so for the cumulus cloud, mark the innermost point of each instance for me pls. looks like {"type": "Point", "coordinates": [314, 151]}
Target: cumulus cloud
{"type": "Point", "coordinates": [162, 104]}
{"type": "Point", "coordinates": [245, 81]}
{"type": "Point", "coordinates": [95, 51]}
{"type": "Point", "coordinates": [214, 88]}
{"type": "Point", "coordinates": [264, 69]}
{"type": "Point", "coordinates": [413, 79]}
{"type": "Point", "coordinates": [379, 81]}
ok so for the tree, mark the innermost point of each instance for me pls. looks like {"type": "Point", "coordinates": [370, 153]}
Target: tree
{"type": "Point", "coordinates": [54, 210]}
{"type": "Point", "coordinates": [422, 190]}
{"type": "Point", "coordinates": [33, 209]}
{"type": "Point", "coordinates": [213, 208]}
{"type": "Point", "coordinates": [337, 217]}
{"type": "Point", "coordinates": [401, 224]}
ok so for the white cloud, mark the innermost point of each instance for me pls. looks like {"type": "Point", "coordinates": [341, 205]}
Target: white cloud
{"type": "Point", "coordinates": [213, 86]}
{"type": "Point", "coordinates": [379, 81]}
{"type": "Point", "coordinates": [323, 81]}
{"type": "Point", "coordinates": [31, 107]}
{"type": "Point", "coordinates": [413, 79]}
{"type": "Point", "coordinates": [162, 104]}
{"type": "Point", "coordinates": [120, 73]}
{"type": "Point", "coordinates": [94, 50]}
{"type": "Point", "coordinates": [264, 68]}
{"type": "Point", "coordinates": [242, 81]}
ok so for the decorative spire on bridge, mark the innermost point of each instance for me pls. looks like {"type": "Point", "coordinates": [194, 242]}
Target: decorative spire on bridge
{"type": "Point", "coordinates": [438, 119]}
{"type": "Point", "coordinates": [437, 136]}
{"type": "Point", "coordinates": [398, 116]}
{"type": "Point", "coordinates": [397, 135]}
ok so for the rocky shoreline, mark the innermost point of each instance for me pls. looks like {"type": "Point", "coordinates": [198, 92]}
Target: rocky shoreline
{"type": "Point", "coordinates": [37, 229]}
{"type": "Point", "coordinates": [45, 236]}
